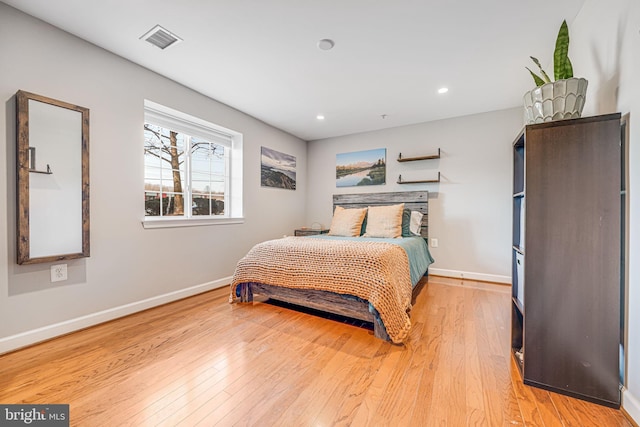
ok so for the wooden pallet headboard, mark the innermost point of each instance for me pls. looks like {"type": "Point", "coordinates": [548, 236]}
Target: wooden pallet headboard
{"type": "Point", "coordinates": [414, 200]}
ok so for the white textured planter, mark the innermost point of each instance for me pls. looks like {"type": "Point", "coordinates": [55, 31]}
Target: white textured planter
{"type": "Point", "coordinates": [562, 99]}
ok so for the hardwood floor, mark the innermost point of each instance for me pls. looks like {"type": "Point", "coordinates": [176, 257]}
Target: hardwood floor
{"type": "Point", "coordinates": [202, 361]}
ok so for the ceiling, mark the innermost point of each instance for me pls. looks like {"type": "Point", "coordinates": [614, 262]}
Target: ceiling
{"type": "Point", "coordinates": [389, 60]}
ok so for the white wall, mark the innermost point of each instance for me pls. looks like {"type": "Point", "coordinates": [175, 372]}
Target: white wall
{"type": "Point", "coordinates": [605, 47]}
{"type": "Point", "coordinates": [469, 210]}
{"type": "Point", "coordinates": [130, 268]}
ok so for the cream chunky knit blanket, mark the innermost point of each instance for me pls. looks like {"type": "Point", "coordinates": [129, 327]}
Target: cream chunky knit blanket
{"type": "Point", "coordinates": [377, 272]}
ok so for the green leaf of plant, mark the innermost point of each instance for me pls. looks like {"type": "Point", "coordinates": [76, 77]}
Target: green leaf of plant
{"type": "Point", "coordinates": [568, 69]}
{"type": "Point", "coordinates": [544, 74]}
{"type": "Point", "coordinates": [560, 55]}
{"type": "Point", "coordinates": [536, 78]}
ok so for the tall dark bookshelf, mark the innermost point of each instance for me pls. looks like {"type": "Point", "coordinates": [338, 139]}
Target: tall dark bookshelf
{"type": "Point", "coordinates": [566, 257]}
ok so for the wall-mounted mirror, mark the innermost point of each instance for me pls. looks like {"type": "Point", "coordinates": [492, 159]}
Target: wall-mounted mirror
{"type": "Point", "coordinates": [53, 179]}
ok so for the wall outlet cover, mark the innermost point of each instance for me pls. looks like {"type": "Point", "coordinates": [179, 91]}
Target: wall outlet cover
{"type": "Point", "coordinates": [58, 272]}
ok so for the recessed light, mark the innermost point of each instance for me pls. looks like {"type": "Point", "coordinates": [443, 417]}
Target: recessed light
{"type": "Point", "coordinates": [326, 44]}
{"type": "Point", "coordinates": [320, 117]}
{"type": "Point", "coordinates": [443, 90]}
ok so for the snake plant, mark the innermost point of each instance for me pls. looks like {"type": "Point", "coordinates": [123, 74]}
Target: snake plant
{"type": "Point", "coordinates": [562, 68]}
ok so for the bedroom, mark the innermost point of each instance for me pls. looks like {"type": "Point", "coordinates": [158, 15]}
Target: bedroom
{"type": "Point", "coordinates": [125, 271]}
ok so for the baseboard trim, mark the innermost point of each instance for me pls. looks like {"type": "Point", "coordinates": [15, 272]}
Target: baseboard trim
{"type": "Point", "coordinates": [631, 406]}
{"type": "Point", "coordinates": [34, 336]}
{"type": "Point", "coordinates": [470, 275]}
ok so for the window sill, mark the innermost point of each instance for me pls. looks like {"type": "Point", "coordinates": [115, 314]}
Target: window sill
{"type": "Point", "coordinates": [187, 222]}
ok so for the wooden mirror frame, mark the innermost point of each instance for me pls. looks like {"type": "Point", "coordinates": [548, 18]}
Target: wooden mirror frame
{"type": "Point", "coordinates": [25, 165]}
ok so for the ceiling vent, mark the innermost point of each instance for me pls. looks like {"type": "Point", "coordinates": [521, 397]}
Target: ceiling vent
{"type": "Point", "coordinates": [160, 37]}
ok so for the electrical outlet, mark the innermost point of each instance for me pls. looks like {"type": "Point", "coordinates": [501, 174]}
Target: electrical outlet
{"type": "Point", "coordinates": [434, 243]}
{"type": "Point", "coordinates": [58, 272]}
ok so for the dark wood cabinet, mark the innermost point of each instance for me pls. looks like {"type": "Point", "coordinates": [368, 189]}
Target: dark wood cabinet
{"type": "Point", "coordinates": [566, 257]}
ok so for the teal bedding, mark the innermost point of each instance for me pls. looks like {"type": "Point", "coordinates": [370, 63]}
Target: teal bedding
{"type": "Point", "coordinates": [416, 248]}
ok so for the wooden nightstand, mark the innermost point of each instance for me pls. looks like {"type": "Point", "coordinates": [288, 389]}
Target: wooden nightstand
{"type": "Point", "coordinates": [309, 231]}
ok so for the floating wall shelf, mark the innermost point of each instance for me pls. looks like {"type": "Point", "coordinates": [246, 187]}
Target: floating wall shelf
{"type": "Point", "coordinates": [47, 172]}
{"type": "Point", "coordinates": [413, 159]}
{"type": "Point", "coordinates": [426, 181]}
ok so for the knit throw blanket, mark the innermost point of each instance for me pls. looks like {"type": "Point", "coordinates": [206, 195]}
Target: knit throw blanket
{"type": "Point", "coordinates": [377, 272]}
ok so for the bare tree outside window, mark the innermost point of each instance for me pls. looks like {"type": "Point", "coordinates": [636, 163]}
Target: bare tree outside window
{"type": "Point", "coordinates": [163, 145]}
{"type": "Point", "coordinates": [207, 163]}
{"type": "Point", "coordinates": [181, 168]}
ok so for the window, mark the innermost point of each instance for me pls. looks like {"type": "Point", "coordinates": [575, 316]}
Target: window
{"type": "Point", "coordinates": [192, 170]}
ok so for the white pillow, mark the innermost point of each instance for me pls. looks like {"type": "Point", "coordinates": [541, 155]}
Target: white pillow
{"type": "Point", "coordinates": [347, 222]}
{"type": "Point", "coordinates": [384, 221]}
{"type": "Point", "coordinates": [416, 222]}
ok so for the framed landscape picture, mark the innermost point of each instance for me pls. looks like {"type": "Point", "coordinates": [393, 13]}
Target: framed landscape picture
{"type": "Point", "coordinates": [277, 169]}
{"type": "Point", "coordinates": [361, 168]}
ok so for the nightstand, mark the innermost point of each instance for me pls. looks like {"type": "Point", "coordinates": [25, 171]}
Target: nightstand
{"type": "Point", "coordinates": [310, 231]}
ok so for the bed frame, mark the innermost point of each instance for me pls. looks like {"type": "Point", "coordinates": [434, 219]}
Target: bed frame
{"type": "Point", "coordinates": [348, 306]}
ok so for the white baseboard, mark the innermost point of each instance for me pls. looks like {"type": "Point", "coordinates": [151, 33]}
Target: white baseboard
{"type": "Point", "coordinates": [631, 405]}
{"type": "Point", "coordinates": [23, 339]}
{"type": "Point", "coordinates": [470, 275]}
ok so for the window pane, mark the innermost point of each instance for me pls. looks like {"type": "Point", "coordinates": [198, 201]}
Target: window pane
{"type": "Point", "coordinates": [205, 154]}
{"type": "Point", "coordinates": [204, 204]}
{"type": "Point", "coordinates": [217, 205]}
{"type": "Point", "coordinates": [152, 185]}
{"type": "Point", "coordinates": [152, 173]}
{"type": "Point", "coordinates": [151, 203]}
{"type": "Point", "coordinates": [152, 136]}
{"type": "Point", "coordinates": [200, 176]}
{"type": "Point", "coordinates": [172, 204]}
{"type": "Point", "coordinates": [201, 205]}
{"type": "Point", "coordinates": [201, 150]}
{"type": "Point", "coordinates": [201, 165]}
{"type": "Point", "coordinates": [173, 182]}
{"type": "Point", "coordinates": [173, 159]}
{"type": "Point", "coordinates": [217, 167]}
{"type": "Point", "coordinates": [167, 174]}
{"type": "Point", "coordinates": [152, 157]}
{"type": "Point", "coordinates": [203, 187]}
{"type": "Point", "coordinates": [207, 177]}
{"type": "Point", "coordinates": [217, 187]}
{"type": "Point", "coordinates": [169, 187]}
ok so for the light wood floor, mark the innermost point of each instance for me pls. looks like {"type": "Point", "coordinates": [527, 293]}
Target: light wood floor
{"type": "Point", "coordinates": [202, 361]}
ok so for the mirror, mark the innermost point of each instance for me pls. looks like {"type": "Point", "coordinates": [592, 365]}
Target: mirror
{"type": "Point", "coordinates": [53, 179]}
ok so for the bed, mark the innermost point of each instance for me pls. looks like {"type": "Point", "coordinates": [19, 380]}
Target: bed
{"type": "Point", "coordinates": [371, 279]}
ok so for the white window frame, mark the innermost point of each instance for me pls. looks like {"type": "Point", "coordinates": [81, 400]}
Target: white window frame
{"type": "Point", "coordinates": [232, 141]}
